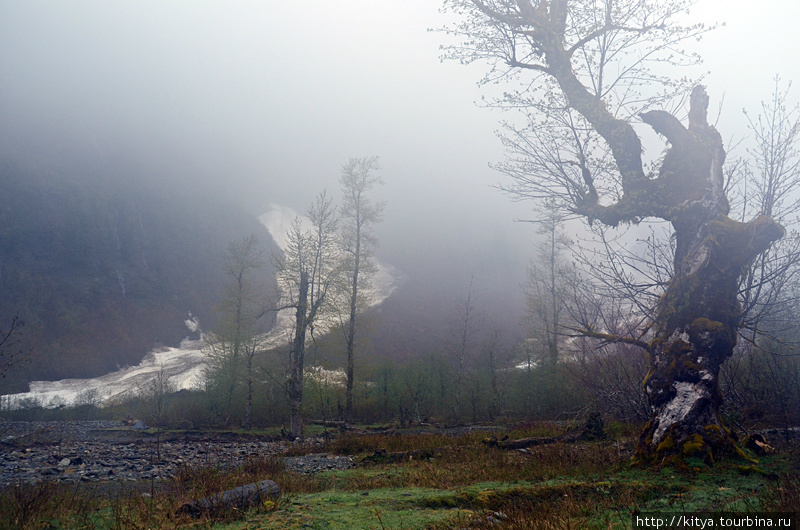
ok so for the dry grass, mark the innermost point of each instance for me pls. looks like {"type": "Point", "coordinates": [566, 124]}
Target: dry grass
{"type": "Point", "coordinates": [465, 460]}
{"type": "Point", "coordinates": [35, 505]}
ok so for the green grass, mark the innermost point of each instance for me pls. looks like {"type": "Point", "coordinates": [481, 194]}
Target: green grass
{"type": "Point", "coordinates": [379, 508]}
{"type": "Point", "coordinates": [573, 501]}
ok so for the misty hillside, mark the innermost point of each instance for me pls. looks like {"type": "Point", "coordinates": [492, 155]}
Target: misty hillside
{"type": "Point", "coordinates": [102, 268]}
{"type": "Point", "coordinates": [104, 263]}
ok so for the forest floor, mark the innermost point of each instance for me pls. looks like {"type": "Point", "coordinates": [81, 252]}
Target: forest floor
{"type": "Point", "coordinates": [402, 478]}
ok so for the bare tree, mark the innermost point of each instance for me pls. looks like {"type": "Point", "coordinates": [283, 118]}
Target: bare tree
{"type": "Point", "coordinates": [358, 214]}
{"type": "Point", "coordinates": [548, 285]}
{"type": "Point", "coordinates": [242, 259]}
{"type": "Point", "coordinates": [308, 274]}
{"type": "Point", "coordinates": [11, 352]}
{"type": "Point", "coordinates": [237, 332]}
{"type": "Point", "coordinates": [496, 357]}
{"type": "Point", "coordinates": [585, 67]}
{"type": "Point", "coordinates": [463, 329]}
{"type": "Point", "coordinates": [761, 377]}
{"type": "Point", "coordinates": [769, 178]}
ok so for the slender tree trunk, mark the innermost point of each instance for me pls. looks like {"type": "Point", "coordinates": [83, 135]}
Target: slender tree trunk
{"type": "Point", "coordinates": [552, 343]}
{"type": "Point", "coordinates": [494, 406]}
{"type": "Point", "coordinates": [461, 352]}
{"type": "Point", "coordinates": [351, 328]}
{"type": "Point", "coordinates": [248, 411]}
{"type": "Point", "coordinates": [359, 214]}
{"type": "Point", "coordinates": [237, 340]}
{"type": "Point", "coordinates": [295, 385]}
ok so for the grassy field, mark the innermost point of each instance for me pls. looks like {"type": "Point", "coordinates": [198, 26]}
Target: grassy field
{"type": "Point", "coordinates": [438, 482]}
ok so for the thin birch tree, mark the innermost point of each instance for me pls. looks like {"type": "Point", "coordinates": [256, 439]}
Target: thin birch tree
{"type": "Point", "coordinates": [359, 214]}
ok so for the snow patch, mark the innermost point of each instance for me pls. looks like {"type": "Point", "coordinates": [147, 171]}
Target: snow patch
{"type": "Point", "coordinates": [180, 368]}
{"type": "Point", "coordinates": [322, 376]}
{"type": "Point", "coordinates": [278, 220]}
{"type": "Point", "coordinates": [192, 323]}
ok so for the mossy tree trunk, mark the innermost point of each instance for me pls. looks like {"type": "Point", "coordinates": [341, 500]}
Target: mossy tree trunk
{"type": "Point", "coordinates": [698, 316]}
{"type": "Point", "coordinates": [696, 329]}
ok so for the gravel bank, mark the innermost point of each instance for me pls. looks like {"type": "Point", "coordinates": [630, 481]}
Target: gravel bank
{"type": "Point", "coordinates": [106, 451]}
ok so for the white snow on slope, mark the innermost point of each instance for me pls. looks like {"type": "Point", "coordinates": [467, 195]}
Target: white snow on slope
{"type": "Point", "coordinates": [178, 367]}
{"type": "Point", "coordinates": [182, 367]}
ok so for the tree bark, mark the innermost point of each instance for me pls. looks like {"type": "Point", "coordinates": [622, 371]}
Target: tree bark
{"type": "Point", "coordinates": [297, 353]}
{"type": "Point", "coordinates": [697, 326]}
{"type": "Point", "coordinates": [239, 498]}
{"type": "Point", "coordinates": [248, 410]}
{"type": "Point", "coordinates": [351, 325]}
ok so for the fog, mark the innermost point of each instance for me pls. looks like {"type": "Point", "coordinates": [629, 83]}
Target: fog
{"type": "Point", "coordinates": [267, 100]}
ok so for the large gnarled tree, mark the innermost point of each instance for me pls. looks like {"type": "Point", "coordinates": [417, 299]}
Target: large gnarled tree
{"type": "Point", "coordinates": [586, 66]}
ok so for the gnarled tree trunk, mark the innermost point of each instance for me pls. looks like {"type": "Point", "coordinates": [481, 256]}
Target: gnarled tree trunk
{"type": "Point", "coordinates": [695, 333]}
{"type": "Point", "coordinates": [697, 320]}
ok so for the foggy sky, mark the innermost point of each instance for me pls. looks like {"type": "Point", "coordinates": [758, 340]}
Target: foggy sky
{"type": "Point", "coordinates": [269, 99]}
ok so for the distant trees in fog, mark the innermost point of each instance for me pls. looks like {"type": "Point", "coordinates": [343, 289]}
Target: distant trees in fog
{"type": "Point", "coordinates": [237, 335]}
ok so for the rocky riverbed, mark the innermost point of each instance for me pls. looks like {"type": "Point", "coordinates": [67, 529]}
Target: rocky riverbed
{"type": "Point", "coordinates": [106, 451]}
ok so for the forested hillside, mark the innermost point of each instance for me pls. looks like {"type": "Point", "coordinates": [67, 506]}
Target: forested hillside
{"type": "Point", "coordinates": [103, 265]}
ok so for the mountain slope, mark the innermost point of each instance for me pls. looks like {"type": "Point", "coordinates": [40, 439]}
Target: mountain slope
{"type": "Point", "coordinates": [103, 268]}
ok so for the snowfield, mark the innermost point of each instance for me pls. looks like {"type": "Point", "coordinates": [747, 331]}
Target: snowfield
{"type": "Point", "coordinates": [182, 367]}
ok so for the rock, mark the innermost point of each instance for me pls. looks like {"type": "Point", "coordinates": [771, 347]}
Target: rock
{"type": "Point", "coordinates": [139, 426]}
{"type": "Point", "coordinates": [64, 462]}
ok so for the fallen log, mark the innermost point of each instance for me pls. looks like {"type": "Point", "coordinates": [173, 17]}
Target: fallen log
{"type": "Point", "coordinates": [343, 425]}
{"type": "Point", "coordinates": [239, 498]}
{"type": "Point", "coordinates": [591, 430]}
{"type": "Point", "coordinates": [522, 443]}
{"type": "Point", "coordinates": [380, 456]}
